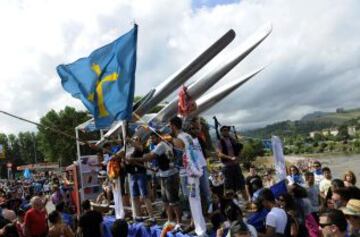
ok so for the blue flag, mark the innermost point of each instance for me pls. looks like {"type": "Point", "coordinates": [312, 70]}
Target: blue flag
{"type": "Point", "coordinates": [279, 188]}
{"type": "Point", "coordinates": [105, 80]}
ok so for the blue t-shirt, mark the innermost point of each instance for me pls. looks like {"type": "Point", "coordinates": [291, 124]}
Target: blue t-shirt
{"type": "Point", "coordinates": [67, 219]}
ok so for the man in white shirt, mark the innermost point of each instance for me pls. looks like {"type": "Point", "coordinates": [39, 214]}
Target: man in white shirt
{"type": "Point", "coordinates": [194, 131]}
{"type": "Point", "coordinates": [325, 184]}
{"type": "Point", "coordinates": [276, 219]}
{"type": "Point", "coordinates": [318, 174]}
{"type": "Point", "coordinates": [193, 168]}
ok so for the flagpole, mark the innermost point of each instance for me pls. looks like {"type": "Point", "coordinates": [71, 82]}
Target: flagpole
{"type": "Point", "coordinates": [46, 127]}
{"type": "Point", "coordinates": [117, 192]}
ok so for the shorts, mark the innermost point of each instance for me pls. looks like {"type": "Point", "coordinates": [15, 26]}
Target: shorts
{"type": "Point", "coordinates": [234, 179]}
{"type": "Point", "coordinates": [170, 189]}
{"type": "Point", "coordinates": [138, 185]}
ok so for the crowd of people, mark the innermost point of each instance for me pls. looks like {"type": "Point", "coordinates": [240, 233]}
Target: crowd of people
{"type": "Point", "coordinates": [309, 202]}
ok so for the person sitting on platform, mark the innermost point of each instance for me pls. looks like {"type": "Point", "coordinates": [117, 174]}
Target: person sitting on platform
{"type": "Point", "coordinates": [250, 180]}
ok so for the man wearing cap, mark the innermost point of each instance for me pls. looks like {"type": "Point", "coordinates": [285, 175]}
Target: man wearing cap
{"type": "Point", "coordinates": [352, 214]}
{"type": "Point", "coordinates": [228, 150]}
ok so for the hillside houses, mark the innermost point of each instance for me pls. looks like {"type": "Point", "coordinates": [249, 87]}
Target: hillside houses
{"type": "Point", "coordinates": [333, 131]}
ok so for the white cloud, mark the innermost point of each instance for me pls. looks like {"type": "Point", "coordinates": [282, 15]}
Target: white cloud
{"type": "Point", "coordinates": [314, 50]}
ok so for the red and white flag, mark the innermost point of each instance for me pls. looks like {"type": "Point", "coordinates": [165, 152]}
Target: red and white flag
{"type": "Point", "coordinates": [186, 104]}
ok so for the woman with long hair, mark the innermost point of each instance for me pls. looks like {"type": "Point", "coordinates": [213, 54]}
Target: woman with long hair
{"type": "Point", "coordinates": [295, 176]}
{"type": "Point", "coordinates": [349, 179]}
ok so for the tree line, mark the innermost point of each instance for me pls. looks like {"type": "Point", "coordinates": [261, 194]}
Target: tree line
{"type": "Point", "coordinates": [44, 144]}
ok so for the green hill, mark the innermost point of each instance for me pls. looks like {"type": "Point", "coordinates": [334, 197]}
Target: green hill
{"type": "Point", "coordinates": [338, 118]}
{"type": "Point", "coordinates": [311, 122]}
{"type": "Point", "coordinates": [288, 128]}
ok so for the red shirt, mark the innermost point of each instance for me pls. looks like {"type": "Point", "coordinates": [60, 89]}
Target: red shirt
{"type": "Point", "coordinates": [36, 222]}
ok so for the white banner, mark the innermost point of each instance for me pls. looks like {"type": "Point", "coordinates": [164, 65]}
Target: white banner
{"type": "Point", "coordinates": [119, 207]}
{"type": "Point", "coordinates": [279, 159]}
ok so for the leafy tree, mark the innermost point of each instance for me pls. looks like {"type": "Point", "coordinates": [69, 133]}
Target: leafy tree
{"type": "Point", "coordinates": [14, 151]}
{"type": "Point", "coordinates": [252, 148]}
{"type": "Point", "coordinates": [343, 134]}
{"type": "Point", "coordinates": [331, 145]}
{"type": "Point", "coordinates": [5, 142]}
{"type": "Point", "coordinates": [55, 146]}
{"type": "Point", "coordinates": [319, 137]}
{"type": "Point", "coordinates": [28, 148]}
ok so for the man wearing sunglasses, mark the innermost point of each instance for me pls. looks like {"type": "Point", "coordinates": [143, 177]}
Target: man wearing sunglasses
{"type": "Point", "coordinates": [332, 223]}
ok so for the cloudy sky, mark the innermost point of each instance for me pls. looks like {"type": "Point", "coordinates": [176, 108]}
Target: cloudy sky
{"type": "Point", "coordinates": [313, 52]}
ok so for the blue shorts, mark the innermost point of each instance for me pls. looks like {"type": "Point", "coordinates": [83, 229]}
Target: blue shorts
{"type": "Point", "coordinates": [138, 185]}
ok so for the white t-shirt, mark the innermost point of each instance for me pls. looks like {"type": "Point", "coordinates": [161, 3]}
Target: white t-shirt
{"type": "Point", "coordinates": [164, 148]}
{"type": "Point", "coordinates": [199, 153]}
{"type": "Point", "coordinates": [318, 178]}
{"type": "Point", "coordinates": [324, 186]}
{"type": "Point", "coordinates": [252, 230]}
{"type": "Point", "coordinates": [161, 149]}
{"type": "Point", "coordinates": [277, 218]}
{"type": "Point", "coordinates": [46, 187]}
{"type": "Point", "coordinates": [191, 160]}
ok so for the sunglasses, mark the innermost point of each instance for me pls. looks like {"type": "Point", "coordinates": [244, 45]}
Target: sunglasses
{"type": "Point", "coordinates": [323, 225]}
